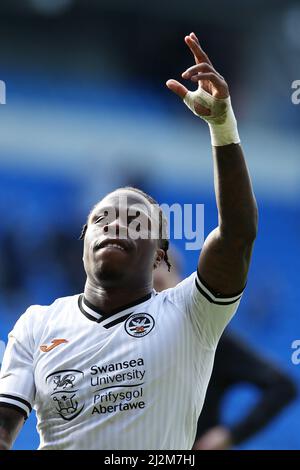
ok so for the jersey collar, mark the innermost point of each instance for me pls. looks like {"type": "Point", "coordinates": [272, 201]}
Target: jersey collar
{"type": "Point", "coordinates": [115, 316]}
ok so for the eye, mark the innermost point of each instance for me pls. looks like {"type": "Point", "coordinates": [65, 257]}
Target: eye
{"type": "Point", "coordinates": [100, 218]}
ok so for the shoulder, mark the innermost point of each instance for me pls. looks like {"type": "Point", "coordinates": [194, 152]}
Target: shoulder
{"type": "Point", "coordinates": [39, 311]}
{"type": "Point", "coordinates": [176, 299]}
{"type": "Point", "coordinates": [178, 294]}
{"type": "Point", "coordinates": [35, 316]}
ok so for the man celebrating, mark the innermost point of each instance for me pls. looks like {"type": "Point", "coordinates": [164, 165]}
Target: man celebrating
{"type": "Point", "coordinates": [119, 366]}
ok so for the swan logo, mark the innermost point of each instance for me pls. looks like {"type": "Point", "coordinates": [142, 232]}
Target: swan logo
{"type": "Point", "coordinates": [139, 324]}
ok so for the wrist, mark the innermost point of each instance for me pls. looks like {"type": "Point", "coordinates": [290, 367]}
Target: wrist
{"type": "Point", "coordinates": [221, 121]}
{"type": "Point", "coordinates": [226, 132]}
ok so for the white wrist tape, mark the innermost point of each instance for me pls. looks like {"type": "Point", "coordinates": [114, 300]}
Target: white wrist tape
{"type": "Point", "coordinates": [222, 123]}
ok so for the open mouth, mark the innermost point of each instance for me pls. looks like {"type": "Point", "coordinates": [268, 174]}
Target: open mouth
{"type": "Point", "coordinates": [115, 244]}
{"type": "Point", "coordinates": [114, 247]}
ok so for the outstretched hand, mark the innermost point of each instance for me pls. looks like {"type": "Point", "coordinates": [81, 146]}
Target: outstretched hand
{"type": "Point", "coordinates": [204, 73]}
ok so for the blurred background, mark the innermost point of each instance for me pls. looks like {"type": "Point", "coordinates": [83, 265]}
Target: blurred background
{"type": "Point", "coordinates": [87, 110]}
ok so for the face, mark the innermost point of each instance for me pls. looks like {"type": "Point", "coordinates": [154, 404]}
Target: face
{"type": "Point", "coordinates": [119, 247]}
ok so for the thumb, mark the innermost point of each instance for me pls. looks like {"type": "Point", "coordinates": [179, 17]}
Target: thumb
{"type": "Point", "coordinates": [177, 88]}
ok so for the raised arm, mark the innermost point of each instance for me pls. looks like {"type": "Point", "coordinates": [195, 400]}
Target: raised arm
{"type": "Point", "coordinates": [11, 422]}
{"type": "Point", "coordinates": [225, 256]}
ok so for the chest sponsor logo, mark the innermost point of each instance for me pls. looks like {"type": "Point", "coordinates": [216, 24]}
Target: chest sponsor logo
{"type": "Point", "coordinates": [139, 324]}
{"type": "Point", "coordinates": [64, 387]}
{"type": "Point", "coordinates": [54, 343]}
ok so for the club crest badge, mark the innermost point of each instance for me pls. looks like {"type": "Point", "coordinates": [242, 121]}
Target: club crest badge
{"type": "Point", "coordinates": [139, 324]}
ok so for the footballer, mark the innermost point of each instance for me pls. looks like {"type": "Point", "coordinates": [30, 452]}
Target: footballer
{"type": "Point", "coordinates": [120, 366]}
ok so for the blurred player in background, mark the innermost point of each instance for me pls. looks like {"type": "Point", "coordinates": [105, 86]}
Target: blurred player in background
{"type": "Point", "coordinates": [235, 363]}
{"type": "Point", "coordinates": [105, 369]}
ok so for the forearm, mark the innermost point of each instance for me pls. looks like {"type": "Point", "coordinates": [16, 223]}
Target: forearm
{"type": "Point", "coordinates": [211, 102]}
{"type": "Point", "coordinates": [271, 404]}
{"type": "Point", "coordinates": [5, 438]}
{"type": "Point", "coordinates": [4, 445]}
{"type": "Point", "coordinates": [11, 422]}
{"type": "Point", "coordinates": [236, 203]}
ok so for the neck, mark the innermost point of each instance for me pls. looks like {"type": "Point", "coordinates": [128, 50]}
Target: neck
{"type": "Point", "coordinates": [108, 299]}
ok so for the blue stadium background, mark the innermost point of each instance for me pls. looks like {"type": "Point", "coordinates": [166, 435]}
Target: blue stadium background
{"type": "Point", "coordinates": [87, 110]}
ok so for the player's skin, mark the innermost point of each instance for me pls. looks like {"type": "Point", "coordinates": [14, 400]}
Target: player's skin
{"type": "Point", "coordinates": [216, 438]}
{"type": "Point", "coordinates": [116, 278]}
{"type": "Point", "coordinates": [11, 422]}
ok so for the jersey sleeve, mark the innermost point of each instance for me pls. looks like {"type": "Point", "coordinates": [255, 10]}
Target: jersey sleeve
{"type": "Point", "coordinates": [17, 388]}
{"type": "Point", "coordinates": [208, 311]}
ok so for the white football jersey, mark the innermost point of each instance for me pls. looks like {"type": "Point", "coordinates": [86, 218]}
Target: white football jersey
{"type": "Point", "coordinates": [133, 379]}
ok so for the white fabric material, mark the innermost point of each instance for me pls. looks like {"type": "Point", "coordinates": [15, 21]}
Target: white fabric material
{"type": "Point", "coordinates": [221, 121]}
{"type": "Point", "coordinates": [107, 387]}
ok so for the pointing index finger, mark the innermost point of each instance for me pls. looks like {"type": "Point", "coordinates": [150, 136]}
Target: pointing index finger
{"type": "Point", "coordinates": [197, 51]}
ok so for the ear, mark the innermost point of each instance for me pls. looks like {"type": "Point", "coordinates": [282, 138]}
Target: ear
{"type": "Point", "coordinates": [159, 256]}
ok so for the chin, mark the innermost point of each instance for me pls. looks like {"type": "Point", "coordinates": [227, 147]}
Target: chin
{"type": "Point", "coordinates": [110, 272]}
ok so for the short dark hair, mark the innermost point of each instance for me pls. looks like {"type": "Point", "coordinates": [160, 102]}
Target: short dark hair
{"type": "Point", "coordinates": [163, 236]}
